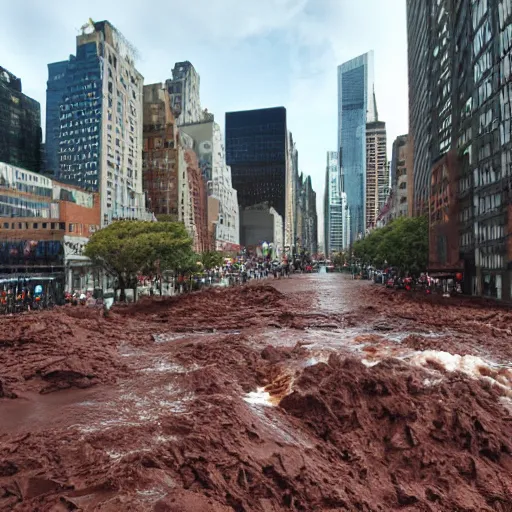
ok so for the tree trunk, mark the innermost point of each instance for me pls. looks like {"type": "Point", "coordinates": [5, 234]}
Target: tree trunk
{"type": "Point", "coordinates": [122, 287]}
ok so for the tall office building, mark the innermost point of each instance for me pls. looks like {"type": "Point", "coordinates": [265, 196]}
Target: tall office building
{"type": "Point", "coordinates": [336, 215]}
{"type": "Point", "coordinates": [257, 149]}
{"type": "Point", "coordinates": [419, 22]}
{"type": "Point", "coordinates": [292, 191]}
{"type": "Point", "coordinates": [460, 58]}
{"type": "Point", "coordinates": [400, 186]}
{"type": "Point", "coordinates": [94, 111]}
{"type": "Point", "coordinates": [307, 234]}
{"type": "Point", "coordinates": [356, 108]}
{"type": "Point", "coordinates": [20, 125]}
{"type": "Point", "coordinates": [377, 173]}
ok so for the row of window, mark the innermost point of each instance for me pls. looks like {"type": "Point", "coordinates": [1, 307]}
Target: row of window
{"type": "Point", "coordinates": [77, 228]}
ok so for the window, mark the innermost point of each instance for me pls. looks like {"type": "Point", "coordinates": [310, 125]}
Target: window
{"type": "Point", "coordinates": [35, 225]}
{"type": "Point", "coordinates": [54, 225]}
{"type": "Point", "coordinates": [71, 228]}
{"type": "Point", "coordinates": [44, 225]}
{"type": "Point", "coordinates": [62, 226]}
{"type": "Point", "coordinates": [6, 225]}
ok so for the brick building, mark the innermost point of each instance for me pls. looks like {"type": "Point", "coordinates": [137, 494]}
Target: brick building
{"type": "Point", "coordinates": [44, 226]}
{"type": "Point", "coordinates": [198, 209]}
{"type": "Point", "coordinates": [160, 156]}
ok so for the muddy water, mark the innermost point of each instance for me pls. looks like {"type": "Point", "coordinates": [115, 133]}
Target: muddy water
{"type": "Point", "coordinates": [212, 394]}
{"type": "Point", "coordinates": [154, 384]}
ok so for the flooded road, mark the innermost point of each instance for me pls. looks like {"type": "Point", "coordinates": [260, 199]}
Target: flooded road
{"type": "Point", "coordinates": [240, 391]}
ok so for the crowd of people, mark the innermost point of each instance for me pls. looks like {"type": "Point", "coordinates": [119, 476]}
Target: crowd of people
{"type": "Point", "coordinates": [23, 294]}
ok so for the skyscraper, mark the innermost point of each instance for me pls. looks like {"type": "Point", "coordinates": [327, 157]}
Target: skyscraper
{"type": "Point", "coordinates": [418, 30]}
{"type": "Point", "coordinates": [377, 173]}
{"type": "Point", "coordinates": [94, 118]}
{"type": "Point", "coordinates": [20, 125]}
{"type": "Point", "coordinates": [257, 149]}
{"type": "Point", "coordinates": [336, 231]}
{"type": "Point", "coordinates": [460, 57]}
{"type": "Point", "coordinates": [355, 108]}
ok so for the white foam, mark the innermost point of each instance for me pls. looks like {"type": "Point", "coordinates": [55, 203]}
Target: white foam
{"type": "Point", "coordinates": [258, 397]}
{"type": "Point", "coordinates": [499, 375]}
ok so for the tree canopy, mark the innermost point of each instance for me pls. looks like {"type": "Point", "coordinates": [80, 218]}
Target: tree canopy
{"type": "Point", "coordinates": [127, 248]}
{"type": "Point", "coordinates": [211, 259]}
{"type": "Point", "coordinates": [403, 243]}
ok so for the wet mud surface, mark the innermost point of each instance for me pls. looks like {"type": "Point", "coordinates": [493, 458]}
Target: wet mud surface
{"type": "Point", "coordinates": [316, 393]}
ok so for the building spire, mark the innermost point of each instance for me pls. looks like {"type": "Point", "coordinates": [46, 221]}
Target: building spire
{"type": "Point", "coordinates": [376, 112]}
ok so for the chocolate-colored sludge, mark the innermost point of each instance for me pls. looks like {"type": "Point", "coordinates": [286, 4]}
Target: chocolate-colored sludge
{"type": "Point", "coordinates": [259, 399]}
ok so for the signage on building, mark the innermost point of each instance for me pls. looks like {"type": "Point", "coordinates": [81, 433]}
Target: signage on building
{"type": "Point", "coordinates": [74, 248]}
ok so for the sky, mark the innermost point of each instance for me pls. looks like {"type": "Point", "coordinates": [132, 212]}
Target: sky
{"type": "Point", "coordinates": [248, 54]}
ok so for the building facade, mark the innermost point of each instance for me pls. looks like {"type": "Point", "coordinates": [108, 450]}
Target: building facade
{"type": "Point", "coordinates": [94, 111]}
{"type": "Point", "coordinates": [200, 133]}
{"type": "Point", "coordinates": [291, 232]}
{"type": "Point", "coordinates": [377, 173]}
{"type": "Point", "coordinates": [184, 92]}
{"type": "Point", "coordinates": [307, 219]}
{"type": "Point", "coordinates": [44, 226]}
{"type": "Point", "coordinates": [209, 149]}
{"type": "Point", "coordinates": [195, 204]}
{"type": "Point", "coordinates": [419, 49]}
{"type": "Point", "coordinates": [257, 149]}
{"type": "Point", "coordinates": [336, 214]}
{"type": "Point", "coordinates": [356, 108]}
{"type": "Point", "coordinates": [160, 161]}
{"type": "Point", "coordinates": [20, 125]}
{"type": "Point", "coordinates": [466, 55]}
{"type": "Point", "coordinates": [400, 190]}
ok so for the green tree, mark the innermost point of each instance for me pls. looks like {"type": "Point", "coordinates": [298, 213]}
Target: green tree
{"type": "Point", "coordinates": [403, 244]}
{"type": "Point", "coordinates": [339, 259]}
{"type": "Point", "coordinates": [127, 248]}
{"type": "Point", "coordinates": [211, 259]}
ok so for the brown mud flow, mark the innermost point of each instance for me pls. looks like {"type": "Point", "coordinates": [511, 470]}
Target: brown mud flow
{"type": "Point", "coordinates": [317, 393]}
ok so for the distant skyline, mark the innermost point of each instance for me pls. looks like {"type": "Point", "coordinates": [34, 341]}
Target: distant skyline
{"type": "Point", "coordinates": [246, 58]}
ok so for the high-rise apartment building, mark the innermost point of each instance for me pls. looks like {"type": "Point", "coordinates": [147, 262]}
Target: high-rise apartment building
{"type": "Point", "coordinates": [184, 91]}
{"type": "Point", "coordinates": [204, 137]}
{"type": "Point", "coordinates": [418, 42]}
{"type": "Point", "coordinates": [161, 176]}
{"type": "Point", "coordinates": [258, 150]}
{"type": "Point", "coordinates": [377, 173]}
{"type": "Point", "coordinates": [356, 108]}
{"type": "Point", "coordinates": [20, 125]}
{"type": "Point", "coordinates": [94, 121]}
{"type": "Point", "coordinates": [460, 56]}
{"type": "Point", "coordinates": [336, 213]}
{"type": "Point", "coordinates": [399, 178]}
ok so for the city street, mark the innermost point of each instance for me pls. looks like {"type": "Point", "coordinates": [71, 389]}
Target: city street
{"type": "Point", "coordinates": [312, 393]}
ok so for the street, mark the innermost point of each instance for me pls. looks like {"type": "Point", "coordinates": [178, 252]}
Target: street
{"type": "Point", "coordinates": [312, 393]}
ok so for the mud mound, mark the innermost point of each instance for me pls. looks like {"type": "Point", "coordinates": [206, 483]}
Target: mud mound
{"type": "Point", "coordinates": [215, 308]}
{"type": "Point", "coordinates": [480, 325]}
{"type": "Point", "coordinates": [55, 350]}
{"type": "Point", "coordinates": [428, 447]}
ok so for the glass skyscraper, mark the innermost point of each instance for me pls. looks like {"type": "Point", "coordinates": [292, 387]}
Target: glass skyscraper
{"type": "Point", "coordinates": [256, 150]}
{"type": "Point", "coordinates": [355, 108]}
